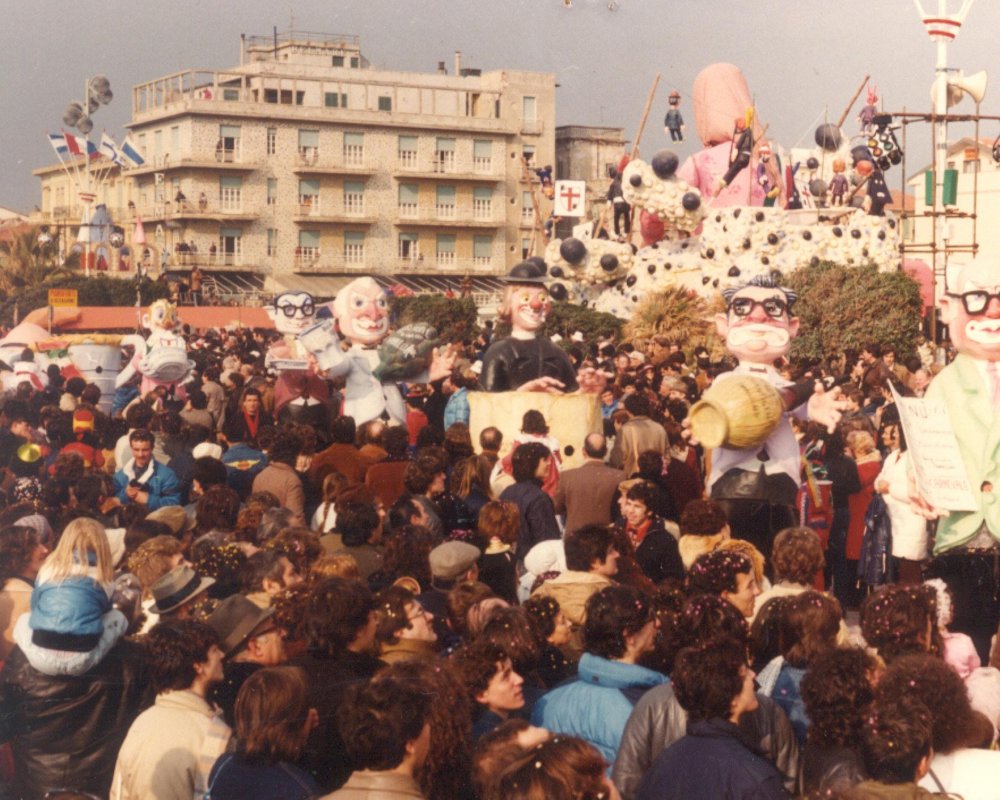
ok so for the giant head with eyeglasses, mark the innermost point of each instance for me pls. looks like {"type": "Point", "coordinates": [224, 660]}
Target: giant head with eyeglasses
{"type": "Point", "coordinates": [292, 312]}
{"type": "Point", "coordinates": [971, 309]}
{"type": "Point", "coordinates": [758, 324]}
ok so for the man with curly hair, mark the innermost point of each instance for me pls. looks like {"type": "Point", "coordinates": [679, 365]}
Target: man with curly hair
{"type": "Point", "coordinates": [170, 748]}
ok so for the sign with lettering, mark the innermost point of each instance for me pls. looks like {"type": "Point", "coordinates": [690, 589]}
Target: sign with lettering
{"type": "Point", "coordinates": [937, 462]}
{"type": "Point", "coordinates": [63, 298]}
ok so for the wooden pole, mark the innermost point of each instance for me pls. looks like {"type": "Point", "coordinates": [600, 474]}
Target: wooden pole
{"type": "Point", "coordinates": [843, 117]}
{"type": "Point", "coordinates": [635, 144]}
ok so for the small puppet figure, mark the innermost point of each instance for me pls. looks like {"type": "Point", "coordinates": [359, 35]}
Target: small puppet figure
{"type": "Point", "coordinates": [545, 175]}
{"type": "Point", "coordinates": [866, 117]}
{"type": "Point", "coordinates": [838, 183]}
{"type": "Point", "coordinates": [768, 175]}
{"type": "Point", "coordinates": [526, 361]}
{"type": "Point", "coordinates": [292, 313]}
{"type": "Point", "coordinates": [740, 150]}
{"type": "Point", "coordinates": [161, 358]}
{"type": "Point", "coordinates": [673, 123]}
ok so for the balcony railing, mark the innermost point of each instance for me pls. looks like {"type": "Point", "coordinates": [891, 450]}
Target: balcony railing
{"type": "Point", "coordinates": [407, 159]}
{"type": "Point", "coordinates": [482, 165]}
{"type": "Point", "coordinates": [444, 211]}
{"type": "Point", "coordinates": [447, 262]}
{"type": "Point", "coordinates": [333, 263]}
{"type": "Point", "coordinates": [450, 214]}
{"type": "Point", "coordinates": [211, 261]}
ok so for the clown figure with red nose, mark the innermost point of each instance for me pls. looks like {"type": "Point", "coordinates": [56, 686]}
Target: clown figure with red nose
{"type": "Point", "coordinates": [526, 361]}
{"type": "Point", "coordinates": [757, 485]}
{"type": "Point", "coordinates": [966, 549]}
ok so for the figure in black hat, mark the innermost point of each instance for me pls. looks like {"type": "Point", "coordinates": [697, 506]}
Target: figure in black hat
{"type": "Point", "coordinates": [525, 361]}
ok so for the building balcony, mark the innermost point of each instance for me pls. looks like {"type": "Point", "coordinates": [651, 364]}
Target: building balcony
{"type": "Point", "coordinates": [532, 127]}
{"type": "Point", "coordinates": [320, 162]}
{"type": "Point", "coordinates": [222, 160]}
{"type": "Point", "coordinates": [321, 211]}
{"type": "Point", "coordinates": [214, 262]}
{"type": "Point", "coordinates": [478, 170]}
{"type": "Point", "coordinates": [446, 263]}
{"type": "Point", "coordinates": [192, 211]}
{"type": "Point", "coordinates": [312, 261]}
{"type": "Point", "coordinates": [447, 216]}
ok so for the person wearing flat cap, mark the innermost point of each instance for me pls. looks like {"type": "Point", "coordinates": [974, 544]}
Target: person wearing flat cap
{"type": "Point", "coordinates": [176, 592]}
{"type": "Point", "coordinates": [250, 640]}
{"type": "Point", "coordinates": [525, 361]}
{"type": "Point", "coordinates": [451, 564]}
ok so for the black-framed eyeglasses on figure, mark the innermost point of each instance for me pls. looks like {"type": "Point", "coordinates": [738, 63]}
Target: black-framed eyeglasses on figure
{"type": "Point", "coordinates": [289, 310]}
{"type": "Point", "coordinates": [774, 307]}
{"type": "Point", "coordinates": [977, 301]}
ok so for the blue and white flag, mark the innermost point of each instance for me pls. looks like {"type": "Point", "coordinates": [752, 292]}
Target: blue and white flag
{"type": "Point", "coordinates": [129, 151]}
{"type": "Point", "coordinates": [58, 142]}
{"type": "Point", "coordinates": [110, 150]}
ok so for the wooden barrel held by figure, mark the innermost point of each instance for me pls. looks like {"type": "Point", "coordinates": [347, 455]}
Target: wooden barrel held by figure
{"type": "Point", "coordinates": [738, 411]}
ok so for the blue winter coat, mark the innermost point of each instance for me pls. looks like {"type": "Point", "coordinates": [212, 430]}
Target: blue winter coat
{"type": "Point", "coordinates": [163, 487]}
{"type": "Point", "coordinates": [74, 607]}
{"type": "Point", "coordinates": [598, 703]}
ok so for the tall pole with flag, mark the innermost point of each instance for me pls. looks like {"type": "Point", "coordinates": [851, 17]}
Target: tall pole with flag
{"type": "Point", "coordinates": [943, 27]}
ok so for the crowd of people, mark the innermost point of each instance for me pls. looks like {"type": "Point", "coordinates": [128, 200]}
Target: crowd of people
{"type": "Point", "coordinates": [225, 597]}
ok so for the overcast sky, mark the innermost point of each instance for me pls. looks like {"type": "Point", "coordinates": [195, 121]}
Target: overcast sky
{"type": "Point", "coordinates": [800, 57]}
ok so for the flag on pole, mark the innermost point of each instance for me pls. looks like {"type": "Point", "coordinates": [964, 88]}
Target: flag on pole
{"type": "Point", "coordinates": [58, 142]}
{"type": "Point", "coordinates": [110, 150]}
{"type": "Point", "coordinates": [128, 150]}
{"type": "Point", "coordinates": [76, 146]}
{"type": "Point", "coordinates": [92, 151]}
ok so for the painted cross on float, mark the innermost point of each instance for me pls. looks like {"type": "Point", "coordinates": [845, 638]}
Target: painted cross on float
{"type": "Point", "coordinates": [569, 196]}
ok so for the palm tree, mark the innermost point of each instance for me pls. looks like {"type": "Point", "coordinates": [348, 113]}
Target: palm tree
{"type": "Point", "coordinates": [29, 258]}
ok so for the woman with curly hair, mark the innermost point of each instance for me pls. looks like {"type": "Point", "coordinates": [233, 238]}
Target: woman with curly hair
{"type": "Point", "coordinates": [899, 620]}
{"type": "Point", "coordinates": [837, 691]}
{"type": "Point", "coordinates": [498, 528]}
{"type": "Point", "coordinates": [958, 765]}
{"type": "Point", "coordinates": [22, 552]}
{"type": "Point", "coordinates": [552, 631]}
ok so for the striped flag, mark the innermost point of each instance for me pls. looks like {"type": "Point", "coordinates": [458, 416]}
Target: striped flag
{"type": "Point", "coordinates": [128, 150]}
{"type": "Point", "coordinates": [58, 142]}
{"type": "Point", "coordinates": [76, 146]}
{"type": "Point", "coordinates": [92, 151]}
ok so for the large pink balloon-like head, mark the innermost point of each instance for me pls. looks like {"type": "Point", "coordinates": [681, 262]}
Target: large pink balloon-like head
{"type": "Point", "coordinates": [720, 95]}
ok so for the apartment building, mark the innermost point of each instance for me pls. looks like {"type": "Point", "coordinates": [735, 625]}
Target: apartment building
{"type": "Point", "coordinates": [304, 166]}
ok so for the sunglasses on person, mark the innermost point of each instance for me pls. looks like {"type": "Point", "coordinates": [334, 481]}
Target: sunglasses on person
{"type": "Point", "coordinates": [774, 307]}
{"type": "Point", "coordinates": [975, 302]}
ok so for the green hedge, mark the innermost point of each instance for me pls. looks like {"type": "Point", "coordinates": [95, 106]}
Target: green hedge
{"type": "Point", "coordinates": [567, 318]}
{"type": "Point", "coordinates": [96, 291]}
{"type": "Point", "coordinates": [456, 319]}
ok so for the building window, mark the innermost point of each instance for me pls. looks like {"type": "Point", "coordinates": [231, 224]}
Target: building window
{"type": "Point", "coordinates": [409, 246]}
{"type": "Point", "coordinates": [308, 250]}
{"type": "Point", "coordinates": [355, 62]}
{"type": "Point", "coordinates": [528, 154]}
{"type": "Point", "coordinates": [529, 109]}
{"type": "Point", "coordinates": [354, 149]}
{"type": "Point", "coordinates": [527, 209]}
{"type": "Point", "coordinates": [445, 250]}
{"type": "Point", "coordinates": [408, 200]}
{"type": "Point", "coordinates": [308, 146]}
{"type": "Point", "coordinates": [272, 191]}
{"type": "Point", "coordinates": [406, 152]}
{"type": "Point", "coordinates": [970, 167]}
{"type": "Point", "coordinates": [354, 247]}
{"type": "Point", "coordinates": [338, 61]}
{"type": "Point", "coordinates": [444, 155]}
{"type": "Point", "coordinates": [231, 95]}
{"type": "Point", "coordinates": [272, 141]}
{"type": "Point", "coordinates": [482, 202]}
{"type": "Point", "coordinates": [335, 99]}
{"type": "Point", "coordinates": [482, 156]}
{"type": "Point", "coordinates": [444, 207]}
{"type": "Point", "coordinates": [525, 246]}
{"type": "Point", "coordinates": [309, 201]}
{"type": "Point", "coordinates": [482, 250]}
{"type": "Point", "coordinates": [227, 149]}
{"type": "Point", "coordinates": [385, 104]}
{"type": "Point", "coordinates": [175, 141]}
{"type": "Point", "coordinates": [354, 197]}
{"type": "Point", "coordinates": [272, 242]}
{"type": "Point", "coordinates": [231, 246]}
{"type": "Point", "coordinates": [231, 194]}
